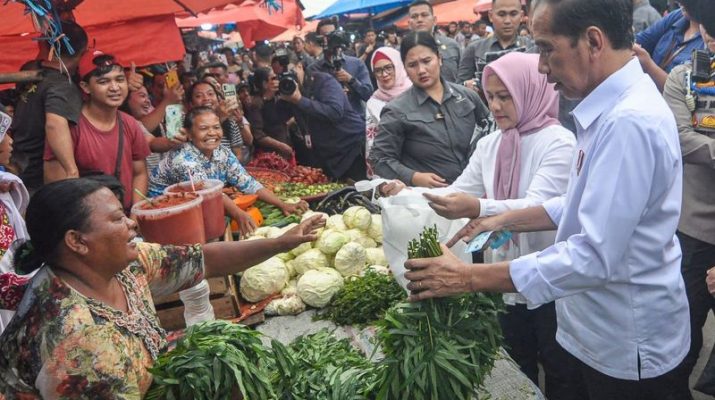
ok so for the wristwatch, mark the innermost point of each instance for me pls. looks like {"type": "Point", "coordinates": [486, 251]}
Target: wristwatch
{"type": "Point", "coordinates": [352, 81]}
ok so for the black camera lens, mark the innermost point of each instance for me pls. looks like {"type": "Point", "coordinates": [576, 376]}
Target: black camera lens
{"type": "Point", "coordinates": [287, 85]}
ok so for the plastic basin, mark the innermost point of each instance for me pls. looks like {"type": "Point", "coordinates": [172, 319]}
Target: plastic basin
{"type": "Point", "coordinates": [211, 190]}
{"type": "Point", "coordinates": [175, 218]}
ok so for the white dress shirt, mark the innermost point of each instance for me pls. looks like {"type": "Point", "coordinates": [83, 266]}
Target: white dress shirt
{"type": "Point", "coordinates": [615, 268]}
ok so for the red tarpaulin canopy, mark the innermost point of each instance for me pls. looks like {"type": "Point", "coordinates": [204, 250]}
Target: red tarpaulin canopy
{"type": "Point", "coordinates": [144, 41]}
{"type": "Point", "coordinates": [254, 21]}
{"type": "Point", "coordinates": [94, 12]}
{"type": "Point", "coordinates": [293, 32]}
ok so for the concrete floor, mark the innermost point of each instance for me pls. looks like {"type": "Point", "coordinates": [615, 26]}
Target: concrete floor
{"type": "Point", "coordinates": [708, 341]}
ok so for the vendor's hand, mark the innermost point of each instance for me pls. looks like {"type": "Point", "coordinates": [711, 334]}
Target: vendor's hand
{"type": "Point", "coordinates": [441, 276]}
{"type": "Point", "coordinates": [474, 228]}
{"type": "Point", "coordinates": [306, 231]}
{"type": "Point", "coordinates": [294, 208]}
{"type": "Point", "coordinates": [392, 188]}
{"type": "Point", "coordinates": [292, 98]}
{"type": "Point", "coordinates": [246, 224]}
{"type": "Point", "coordinates": [454, 205]}
{"type": "Point", "coordinates": [285, 151]}
{"type": "Point", "coordinates": [428, 180]}
{"type": "Point", "coordinates": [134, 80]}
{"type": "Point", "coordinates": [343, 76]}
{"type": "Point", "coordinates": [710, 280]}
{"type": "Point", "coordinates": [7, 186]}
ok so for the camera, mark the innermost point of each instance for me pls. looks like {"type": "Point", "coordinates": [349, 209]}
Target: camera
{"type": "Point", "coordinates": [287, 80]}
{"type": "Point", "coordinates": [334, 44]}
{"type": "Point", "coordinates": [489, 57]}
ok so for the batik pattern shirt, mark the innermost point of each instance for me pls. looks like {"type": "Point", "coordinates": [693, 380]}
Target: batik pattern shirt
{"type": "Point", "coordinates": [64, 345]}
{"type": "Point", "coordinates": [223, 165]}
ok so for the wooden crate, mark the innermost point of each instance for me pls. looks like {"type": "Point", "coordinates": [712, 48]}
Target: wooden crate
{"type": "Point", "coordinates": [171, 315]}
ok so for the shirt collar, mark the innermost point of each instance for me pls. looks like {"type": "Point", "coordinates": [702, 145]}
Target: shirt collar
{"type": "Point", "coordinates": [422, 95]}
{"type": "Point", "coordinates": [601, 98]}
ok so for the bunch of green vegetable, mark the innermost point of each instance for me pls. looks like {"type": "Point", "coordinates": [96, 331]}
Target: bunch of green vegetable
{"type": "Point", "coordinates": [440, 349]}
{"type": "Point", "coordinates": [363, 299]}
{"type": "Point", "coordinates": [297, 189]}
{"type": "Point", "coordinates": [273, 216]}
{"type": "Point", "coordinates": [322, 367]}
{"type": "Point", "coordinates": [215, 360]}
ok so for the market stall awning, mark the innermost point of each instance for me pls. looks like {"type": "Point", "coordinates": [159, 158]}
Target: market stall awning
{"type": "Point", "coordinates": [459, 10]}
{"type": "Point", "coordinates": [95, 12]}
{"type": "Point", "coordinates": [143, 40]}
{"type": "Point", "coordinates": [361, 6]}
{"type": "Point", "coordinates": [297, 31]}
{"type": "Point", "coordinates": [255, 21]}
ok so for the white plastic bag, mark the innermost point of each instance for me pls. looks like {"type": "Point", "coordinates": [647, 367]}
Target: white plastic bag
{"type": "Point", "coordinates": [197, 306]}
{"type": "Point", "coordinates": [404, 217]}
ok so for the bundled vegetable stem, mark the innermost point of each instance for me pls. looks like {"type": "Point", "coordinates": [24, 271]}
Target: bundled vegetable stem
{"type": "Point", "coordinates": [438, 349]}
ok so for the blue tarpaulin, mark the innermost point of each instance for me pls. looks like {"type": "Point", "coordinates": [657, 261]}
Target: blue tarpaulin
{"type": "Point", "coordinates": [361, 6]}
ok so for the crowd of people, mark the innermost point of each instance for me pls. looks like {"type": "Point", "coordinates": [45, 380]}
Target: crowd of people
{"type": "Point", "coordinates": [585, 127]}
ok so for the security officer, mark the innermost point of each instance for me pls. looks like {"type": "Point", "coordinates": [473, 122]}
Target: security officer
{"type": "Point", "coordinates": [422, 19]}
{"type": "Point", "coordinates": [690, 93]}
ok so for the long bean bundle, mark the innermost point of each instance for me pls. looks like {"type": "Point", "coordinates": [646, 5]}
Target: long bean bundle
{"type": "Point", "coordinates": [438, 348]}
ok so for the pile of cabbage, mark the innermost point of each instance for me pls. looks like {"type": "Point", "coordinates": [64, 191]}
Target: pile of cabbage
{"type": "Point", "coordinates": [312, 273]}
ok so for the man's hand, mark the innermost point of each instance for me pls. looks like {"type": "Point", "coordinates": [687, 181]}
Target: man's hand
{"type": "Point", "coordinates": [7, 186]}
{"type": "Point", "coordinates": [428, 180]}
{"type": "Point", "coordinates": [455, 205]}
{"type": "Point", "coordinates": [181, 137]}
{"type": "Point", "coordinates": [134, 80]}
{"type": "Point", "coordinates": [306, 231]}
{"type": "Point", "coordinates": [392, 188]}
{"type": "Point", "coordinates": [474, 228]}
{"type": "Point", "coordinates": [710, 280]}
{"type": "Point", "coordinates": [441, 276]}
{"type": "Point", "coordinates": [472, 84]}
{"type": "Point", "coordinates": [343, 76]}
{"type": "Point", "coordinates": [174, 95]}
{"type": "Point", "coordinates": [643, 56]}
{"type": "Point", "coordinates": [292, 98]}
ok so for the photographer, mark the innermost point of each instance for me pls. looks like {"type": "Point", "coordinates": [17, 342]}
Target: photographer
{"type": "Point", "coordinates": [336, 131]}
{"type": "Point", "coordinates": [268, 116]}
{"type": "Point", "coordinates": [350, 71]}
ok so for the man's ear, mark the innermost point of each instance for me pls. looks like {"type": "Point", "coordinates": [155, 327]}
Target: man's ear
{"type": "Point", "coordinates": [596, 39]}
{"type": "Point", "coordinates": [84, 86]}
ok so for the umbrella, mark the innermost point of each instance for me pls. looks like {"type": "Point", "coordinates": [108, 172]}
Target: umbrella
{"type": "Point", "coordinates": [362, 6]}
{"type": "Point", "coordinates": [96, 12]}
{"type": "Point", "coordinates": [255, 22]}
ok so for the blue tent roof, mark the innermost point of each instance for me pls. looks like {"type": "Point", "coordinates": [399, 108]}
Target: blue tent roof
{"type": "Point", "coordinates": [361, 6]}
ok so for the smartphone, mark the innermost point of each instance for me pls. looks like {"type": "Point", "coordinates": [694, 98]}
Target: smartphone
{"type": "Point", "coordinates": [229, 92]}
{"type": "Point", "coordinates": [174, 120]}
{"type": "Point", "coordinates": [5, 121]}
{"type": "Point", "coordinates": [172, 79]}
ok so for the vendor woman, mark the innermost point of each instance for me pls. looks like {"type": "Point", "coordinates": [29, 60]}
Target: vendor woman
{"type": "Point", "coordinates": [86, 326]}
{"type": "Point", "coordinates": [427, 134]}
{"type": "Point", "coordinates": [203, 157]}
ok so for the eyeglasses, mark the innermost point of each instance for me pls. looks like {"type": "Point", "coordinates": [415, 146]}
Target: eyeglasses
{"type": "Point", "coordinates": [386, 70]}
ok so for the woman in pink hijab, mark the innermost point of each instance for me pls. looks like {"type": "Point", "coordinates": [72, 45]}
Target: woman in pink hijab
{"type": "Point", "coordinates": [523, 164]}
{"type": "Point", "coordinates": [392, 81]}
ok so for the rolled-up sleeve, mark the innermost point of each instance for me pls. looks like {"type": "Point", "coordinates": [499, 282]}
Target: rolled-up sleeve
{"type": "Point", "coordinates": [387, 149]}
{"type": "Point", "coordinates": [609, 211]}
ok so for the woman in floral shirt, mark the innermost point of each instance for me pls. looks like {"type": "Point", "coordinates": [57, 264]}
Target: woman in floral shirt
{"type": "Point", "coordinates": [203, 157]}
{"type": "Point", "coordinates": [86, 326]}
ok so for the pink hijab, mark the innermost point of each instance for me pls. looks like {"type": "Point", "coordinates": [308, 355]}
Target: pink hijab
{"type": "Point", "coordinates": [537, 106]}
{"type": "Point", "coordinates": [402, 83]}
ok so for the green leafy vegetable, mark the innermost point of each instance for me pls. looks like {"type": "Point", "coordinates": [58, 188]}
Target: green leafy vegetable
{"type": "Point", "coordinates": [363, 299]}
{"type": "Point", "coordinates": [440, 349]}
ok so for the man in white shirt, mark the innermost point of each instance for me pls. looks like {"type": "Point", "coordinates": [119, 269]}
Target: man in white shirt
{"type": "Point", "coordinates": [615, 268]}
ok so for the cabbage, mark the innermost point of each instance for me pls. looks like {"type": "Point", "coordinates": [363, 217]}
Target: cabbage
{"type": "Point", "coordinates": [290, 268]}
{"type": "Point", "coordinates": [330, 241]}
{"type": "Point", "coordinates": [318, 286]}
{"type": "Point", "coordinates": [361, 238]}
{"type": "Point", "coordinates": [262, 231]}
{"type": "Point", "coordinates": [336, 223]}
{"type": "Point", "coordinates": [264, 279]}
{"type": "Point", "coordinates": [350, 259]}
{"type": "Point", "coordinates": [285, 256]}
{"type": "Point", "coordinates": [380, 269]}
{"type": "Point", "coordinates": [357, 217]}
{"type": "Point", "coordinates": [375, 229]}
{"type": "Point", "coordinates": [376, 256]}
{"type": "Point", "coordinates": [273, 232]}
{"type": "Point", "coordinates": [290, 289]}
{"type": "Point", "coordinates": [302, 248]}
{"type": "Point", "coordinates": [311, 259]}
{"type": "Point", "coordinates": [290, 305]}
